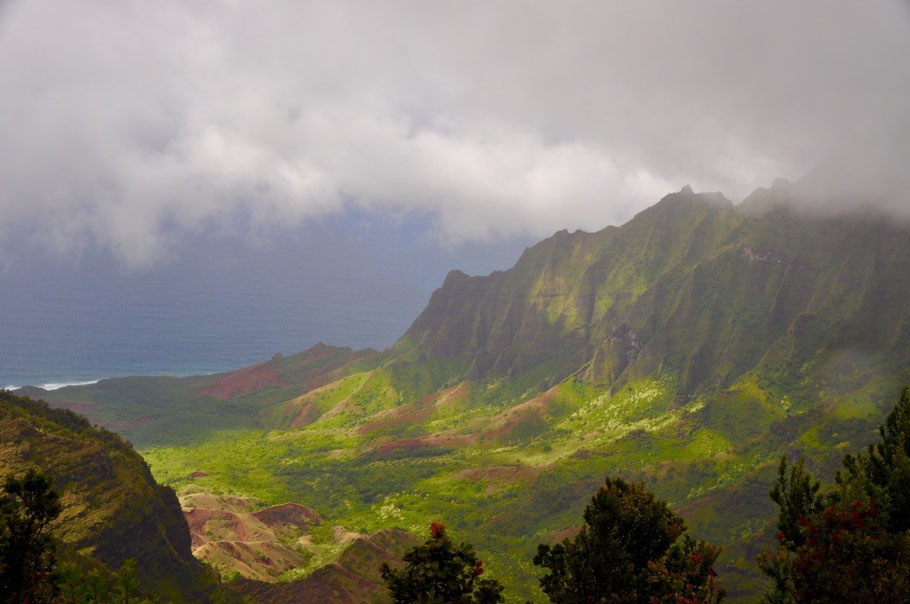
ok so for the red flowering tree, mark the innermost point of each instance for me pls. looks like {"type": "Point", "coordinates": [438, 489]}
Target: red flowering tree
{"type": "Point", "coordinates": [629, 550]}
{"type": "Point", "coordinates": [851, 544]}
{"type": "Point", "coordinates": [441, 572]}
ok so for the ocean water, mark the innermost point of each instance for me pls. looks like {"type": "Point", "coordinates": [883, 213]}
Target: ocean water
{"type": "Point", "coordinates": [222, 302]}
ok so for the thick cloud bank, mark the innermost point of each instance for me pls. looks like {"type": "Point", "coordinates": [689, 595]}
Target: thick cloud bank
{"type": "Point", "coordinates": [127, 124]}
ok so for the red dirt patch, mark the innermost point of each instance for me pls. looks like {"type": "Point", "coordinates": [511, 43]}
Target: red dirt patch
{"type": "Point", "coordinates": [288, 513]}
{"type": "Point", "coordinates": [398, 417]}
{"type": "Point", "coordinates": [198, 474]}
{"type": "Point", "coordinates": [354, 578]}
{"type": "Point", "coordinates": [403, 446]}
{"type": "Point", "coordinates": [497, 477]}
{"type": "Point", "coordinates": [244, 381]}
{"type": "Point", "coordinates": [197, 518]}
{"type": "Point", "coordinates": [522, 474]}
{"type": "Point", "coordinates": [331, 583]}
{"type": "Point", "coordinates": [427, 444]}
{"type": "Point", "coordinates": [413, 413]}
{"type": "Point", "coordinates": [307, 415]}
{"type": "Point", "coordinates": [508, 421]}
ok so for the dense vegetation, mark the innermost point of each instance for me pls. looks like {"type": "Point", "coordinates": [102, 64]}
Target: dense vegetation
{"type": "Point", "coordinates": [852, 542]}
{"type": "Point", "coordinates": [27, 551]}
{"type": "Point", "coordinates": [687, 349]}
{"type": "Point", "coordinates": [29, 568]}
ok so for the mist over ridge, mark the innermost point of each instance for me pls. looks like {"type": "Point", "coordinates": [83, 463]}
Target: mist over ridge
{"type": "Point", "coordinates": [129, 129]}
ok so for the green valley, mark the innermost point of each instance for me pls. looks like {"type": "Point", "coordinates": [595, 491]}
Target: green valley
{"type": "Point", "coordinates": [688, 349]}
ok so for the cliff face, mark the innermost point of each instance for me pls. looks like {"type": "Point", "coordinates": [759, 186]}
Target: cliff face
{"type": "Point", "coordinates": [691, 285]}
{"type": "Point", "coordinates": [112, 508]}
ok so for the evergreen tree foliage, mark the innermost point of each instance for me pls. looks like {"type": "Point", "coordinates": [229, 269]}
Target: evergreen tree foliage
{"type": "Point", "coordinates": [851, 544]}
{"type": "Point", "coordinates": [126, 583]}
{"type": "Point", "coordinates": [884, 471]}
{"type": "Point", "coordinates": [80, 584]}
{"type": "Point", "coordinates": [628, 550]}
{"type": "Point", "coordinates": [27, 550]}
{"type": "Point", "coordinates": [796, 495]}
{"type": "Point", "coordinates": [439, 572]}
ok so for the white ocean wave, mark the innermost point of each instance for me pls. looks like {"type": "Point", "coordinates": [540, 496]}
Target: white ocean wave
{"type": "Point", "coordinates": [53, 385]}
{"type": "Point", "coordinates": [57, 385]}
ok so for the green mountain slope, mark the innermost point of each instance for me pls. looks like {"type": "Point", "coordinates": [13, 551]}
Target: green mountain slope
{"type": "Point", "coordinates": [112, 508]}
{"type": "Point", "coordinates": [693, 286]}
{"type": "Point", "coordinates": [687, 348]}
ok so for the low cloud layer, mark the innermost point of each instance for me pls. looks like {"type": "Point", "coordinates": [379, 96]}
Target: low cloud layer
{"type": "Point", "coordinates": [126, 125]}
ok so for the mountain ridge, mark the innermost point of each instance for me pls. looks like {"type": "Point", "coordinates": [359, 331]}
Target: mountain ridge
{"type": "Point", "coordinates": [558, 299]}
{"type": "Point", "coordinates": [688, 348]}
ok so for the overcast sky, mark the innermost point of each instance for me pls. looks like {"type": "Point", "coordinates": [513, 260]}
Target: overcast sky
{"type": "Point", "coordinates": [128, 125]}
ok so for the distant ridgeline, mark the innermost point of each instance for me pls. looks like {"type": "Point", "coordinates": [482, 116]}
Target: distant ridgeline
{"type": "Point", "coordinates": [687, 348]}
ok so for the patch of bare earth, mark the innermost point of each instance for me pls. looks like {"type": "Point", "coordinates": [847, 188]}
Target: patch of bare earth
{"type": "Point", "coordinates": [244, 381]}
{"type": "Point", "coordinates": [505, 424]}
{"type": "Point", "coordinates": [425, 445]}
{"type": "Point", "coordinates": [498, 477]}
{"type": "Point", "coordinates": [258, 545]}
{"type": "Point", "coordinates": [288, 514]}
{"type": "Point", "coordinates": [413, 413]}
{"type": "Point", "coordinates": [353, 578]}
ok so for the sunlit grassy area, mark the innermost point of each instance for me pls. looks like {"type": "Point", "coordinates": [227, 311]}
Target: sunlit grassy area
{"type": "Point", "coordinates": [502, 477]}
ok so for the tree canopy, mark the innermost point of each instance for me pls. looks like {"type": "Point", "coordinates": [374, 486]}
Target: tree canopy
{"type": "Point", "coordinates": [629, 550]}
{"type": "Point", "coordinates": [440, 572]}
{"type": "Point", "coordinates": [27, 550]}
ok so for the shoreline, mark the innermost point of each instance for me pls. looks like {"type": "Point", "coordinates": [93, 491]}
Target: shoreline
{"type": "Point", "coordinates": [51, 386]}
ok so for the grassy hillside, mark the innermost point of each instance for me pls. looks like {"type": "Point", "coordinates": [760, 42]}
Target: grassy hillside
{"type": "Point", "coordinates": [112, 508]}
{"type": "Point", "coordinates": [688, 348]}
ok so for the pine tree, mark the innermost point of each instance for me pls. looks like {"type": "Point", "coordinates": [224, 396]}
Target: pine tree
{"type": "Point", "coordinates": [628, 550]}
{"type": "Point", "coordinates": [27, 551]}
